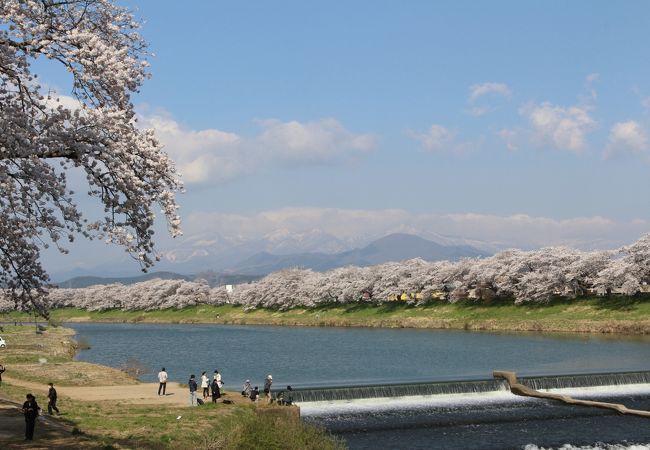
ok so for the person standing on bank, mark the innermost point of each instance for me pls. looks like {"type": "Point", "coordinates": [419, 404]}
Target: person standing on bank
{"type": "Point", "coordinates": [162, 378]}
{"type": "Point", "coordinates": [205, 384]}
{"type": "Point", "coordinates": [193, 387]}
{"type": "Point", "coordinates": [51, 400]}
{"type": "Point", "coordinates": [30, 410]}
{"type": "Point", "coordinates": [246, 389]}
{"type": "Point", "coordinates": [2, 370]}
{"type": "Point", "coordinates": [267, 387]}
{"type": "Point", "coordinates": [217, 376]}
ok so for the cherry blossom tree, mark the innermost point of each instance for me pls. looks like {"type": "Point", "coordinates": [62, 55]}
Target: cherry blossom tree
{"type": "Point", "coordinates": [522, 276]}
{"type": "Point", "coordinates": [42, 139]}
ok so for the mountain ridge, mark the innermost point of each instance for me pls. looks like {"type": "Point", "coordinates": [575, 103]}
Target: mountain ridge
{"type": "Point", "coordinates": [393, 247]}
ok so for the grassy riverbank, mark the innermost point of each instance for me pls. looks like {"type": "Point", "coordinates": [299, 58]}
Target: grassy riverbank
{"type": "Point", "coordinates": [629, 315]}
{"type": "Point", "coordinates": [33, 359]}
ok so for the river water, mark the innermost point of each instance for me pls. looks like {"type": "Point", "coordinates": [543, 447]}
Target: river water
{"type": "Point", "coordinates": [304, 357]}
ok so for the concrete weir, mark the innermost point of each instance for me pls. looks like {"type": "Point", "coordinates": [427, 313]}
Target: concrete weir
{"type": "Point", "coordinates": [519, 389]}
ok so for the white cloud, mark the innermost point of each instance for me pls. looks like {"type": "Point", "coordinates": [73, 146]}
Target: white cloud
{"type": "Point", "coordinates": [478, 90]}
{"type": "Point", "coordinates": [510, 137]}
{"type": "Point", "coordinates": [53, 101]}
{"type": "Point", "coordinates": [592, 77]}
{"type": "Point", "coordinates": [626, 137]}
{"type": "Point", "coordinates": [436, 139]}
{"type": "Point", "coordinates": [212, 155]}
{"type": "Point", "coordinates": [440, 139]}
{"type": "Point", "coordinates": [199, 155]}
{"type": "Point", "coordinates": [323, 140]}
{"type": "Point", "coordinates": [526, 231]}
{"type": "Point", "coordinates": [488, 231]}
{"type": "Point", "coordinates": [565, 128]}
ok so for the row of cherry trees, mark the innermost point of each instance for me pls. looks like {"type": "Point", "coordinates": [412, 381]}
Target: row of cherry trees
{"type": "Point", "coordinates": [524, 276]}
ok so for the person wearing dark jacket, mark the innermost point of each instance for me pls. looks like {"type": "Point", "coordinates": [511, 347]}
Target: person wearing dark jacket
{"type": "Point", "coordinates": [255, 393]}
{"type": "Point", "coordinates": [51, 400]}
{"type": "Point", "coordinates": [285, 398]}
{"type": "Point", "coordinates": [193, 387]}
{"type": "Point", "coordinates": [30, 410]}
{"type": "Point", "coordinates": [216, 392]}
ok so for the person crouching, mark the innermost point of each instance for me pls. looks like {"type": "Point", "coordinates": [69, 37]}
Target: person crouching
{"type": "Point", "coordinates": [214, 388]}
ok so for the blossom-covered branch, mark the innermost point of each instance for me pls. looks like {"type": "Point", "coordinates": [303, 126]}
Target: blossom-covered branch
{"type": "Point", "coordinates": [42, 139]}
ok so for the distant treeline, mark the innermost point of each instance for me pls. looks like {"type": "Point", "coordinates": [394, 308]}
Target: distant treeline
{"type": "Point", "coordinates": [523, 276]}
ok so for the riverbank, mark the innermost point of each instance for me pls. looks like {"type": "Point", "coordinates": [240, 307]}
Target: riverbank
{"type": "Point", "coordinates": [624, 315]}
{"type": "Point", "coordinates": [102, 407]}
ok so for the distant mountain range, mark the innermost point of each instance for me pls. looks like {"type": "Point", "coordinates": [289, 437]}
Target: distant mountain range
{"type": "Point", "coordinates": [90, 280]}
{"type": "Point", "coordinates": [222, 253]}
{"type": "Point", "coordinates": [394, 247]}
{"type": "Point", "coordinates": [217, 270]}
{"type": "Point", "coordinates": [213, 279]}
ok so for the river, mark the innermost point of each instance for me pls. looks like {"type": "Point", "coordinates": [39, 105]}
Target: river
{"type": "Point", "coordinates": [306, 357]}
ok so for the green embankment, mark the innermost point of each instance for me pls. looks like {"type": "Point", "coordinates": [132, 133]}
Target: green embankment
{"type": "Point", "coordinates": [599, 314]}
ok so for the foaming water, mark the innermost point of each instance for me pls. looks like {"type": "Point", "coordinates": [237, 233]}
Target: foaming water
{"type": "Point", "coordinates": [415, 402]}
{"type": "Point", "coordinates": [418, 402]}
{"type": "Point", "coordinates": [487, 420]}
{"type": "Point", "coordinates": [604, 391]}
{"type": "Point", "coordinates": [376, 398]}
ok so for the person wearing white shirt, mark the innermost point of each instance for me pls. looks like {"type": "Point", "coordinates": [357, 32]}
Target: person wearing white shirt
{"type": "Point", "coordinates": [205, 382]}
{"type": "Point", "coordinates": [162, 377]}
{"type": "Point", "coordinates": [217, 376]}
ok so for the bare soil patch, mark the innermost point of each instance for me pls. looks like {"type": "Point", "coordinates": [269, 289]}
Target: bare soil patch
{"type": "Point", "coordinates": [72, 373]}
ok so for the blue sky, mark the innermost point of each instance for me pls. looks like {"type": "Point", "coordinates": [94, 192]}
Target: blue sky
{"type": "Point", "coordinates": [524, 118]}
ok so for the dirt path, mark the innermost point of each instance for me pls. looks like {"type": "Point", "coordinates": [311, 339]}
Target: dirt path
{"type": "Point", "coordinates": [144, 394]}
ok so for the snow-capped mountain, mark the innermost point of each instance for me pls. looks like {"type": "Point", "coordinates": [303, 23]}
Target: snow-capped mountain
{"type": "Point", "coordinates": [313, 248]}
{"type": "Point", "coordinates": [284, 248]}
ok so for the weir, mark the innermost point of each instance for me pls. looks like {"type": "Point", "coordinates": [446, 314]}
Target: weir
{"type": "Point", "coordinates": [586, 380]}
{"type": "Point", "coordinates": [520, 389]}
{"type": "Point", "coordinates": [396, 390]}
{"type": "Point", "coordinates": [325, 394]}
